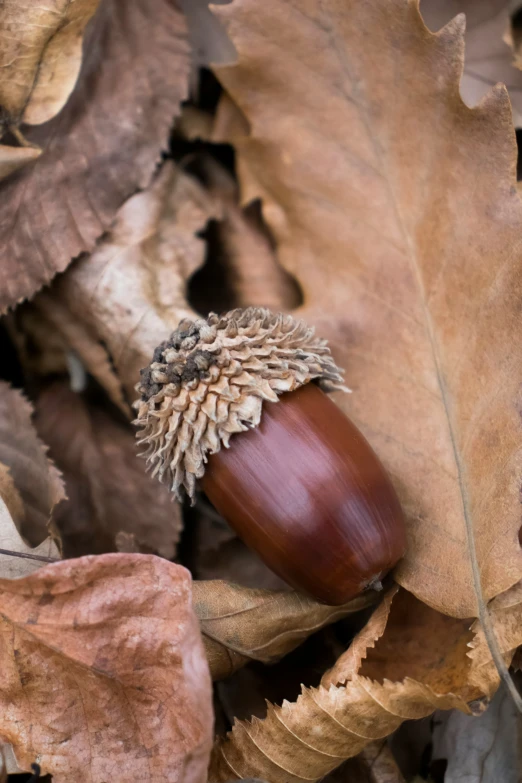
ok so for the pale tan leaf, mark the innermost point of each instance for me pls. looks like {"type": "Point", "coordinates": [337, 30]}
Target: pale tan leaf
{"type": "Point", "coordinates": [241, 624]}
{"type": "Point", "coordinates": [108, 488]}
{"type": "Point", "coordinates": [12, 567]}
{"type": "Point", "coordinates": [102, 147]}
{"type": "Point", "coordinates": [13, 158]}
{"type": "Point", "coordinates": [103, 671]}
{"type": "Point", "coordinates": [35, 477]}
{"type": "Point", "coordinates": [395, 207]}
{"type": "Point", "coordinates": [41, 47]}
{"type": "Point", "coordinates": [489, 59]}
{"type": "Point", "coordinates": [130, 294]}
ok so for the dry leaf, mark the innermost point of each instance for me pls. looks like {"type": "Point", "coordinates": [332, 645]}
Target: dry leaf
{"type": "Point", "coordinates": [249, 261]}
{"type": "Point", "coordinates": [420, 663]}
{"type": "Point", "coordinates": [100, 148]}
{"type": "Point", "coordinates": [209, 41]}
{"type": "Point", "coordinates": [13, 158]}
{"type": "Point", "coordinates": [131, 292]}
{"type": "Point", "coordinates": [489, 58]}
{"type": "Point", "coordinates": [13, 567]}
{"type": "Point", "coordinates": [102, 659]}
{"type": "Point", "coordinates": [220, 554]}
{"type": "Point", "coordinates": [506, 618]}
{"type": "Point", "coordinates": [108, 488]}
{"type": "Point", "coordinates": [41, 57]}
{"type": "Point", "coordinates": [306, 739]}
{"type": "Point", "coordinates": [480, 749]}
{"type": "Point", "coordinates": [375, 764]}
{"type": "Point", "coordinates": [240, 624]}
{"type": "Point", "coordinates": [395, 207]}
{"type": "Point", "coordinates": [36, 479]}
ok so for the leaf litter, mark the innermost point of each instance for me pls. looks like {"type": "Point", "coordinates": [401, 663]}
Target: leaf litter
{"type": "Point", "coordinates": [343, 163]}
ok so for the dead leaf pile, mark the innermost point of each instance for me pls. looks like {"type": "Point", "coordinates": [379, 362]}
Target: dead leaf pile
{"type": "Point", "coordinates": [354, 163]}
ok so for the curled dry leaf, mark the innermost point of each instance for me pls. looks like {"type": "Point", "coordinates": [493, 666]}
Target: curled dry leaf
{"type": "Point", "coordinates": [100, 148]}
{"type": "Point", "coordinates": [41, 56]}
{"type": "Point", "coordinates": [119, 635]}
{"type": "Point", "coordinates": [418, 664]}
{"type": "Point", "coordinates": [108, 488]}
{"type": "Point", "coordinates": [489, 57]}
{"type": "Point", "coordinates": [36, 479]}
{"type": "Point", "coordinates": [240, 624]}
{"type": "Point", "coordinates": [418, 294]}
{"type": "Point", "coordinates": [130, 293]}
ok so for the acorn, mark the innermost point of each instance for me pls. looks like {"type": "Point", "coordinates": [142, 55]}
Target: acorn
{"type": "Point", "coordinates": [238, 403]}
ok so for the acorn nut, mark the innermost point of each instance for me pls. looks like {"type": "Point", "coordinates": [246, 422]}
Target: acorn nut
{"type": "Point", "coordinates": [299, 484]}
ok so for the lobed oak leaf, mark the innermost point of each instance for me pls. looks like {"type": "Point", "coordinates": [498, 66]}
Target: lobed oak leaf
{"type": "Point", "coordinates": [101, 147]}
{"type": "Point", "coordinates": [35, 478]}
{"type": "Point", "coordinates": [395, 207]}
{"type": "Point", "coordinates": [108, 488]}
{"type": "Point", "coordinates": [239, 624]}
{"type": "Point", "coordinates": [118, 634]}
{"type": "Point", "coordinates": [489, 56]}
{"type": "Point", "coordinates": [130, 293]}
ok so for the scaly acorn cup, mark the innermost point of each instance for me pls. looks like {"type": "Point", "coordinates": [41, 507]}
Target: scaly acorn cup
{"type": "Point", "coordinates": [298, 481]}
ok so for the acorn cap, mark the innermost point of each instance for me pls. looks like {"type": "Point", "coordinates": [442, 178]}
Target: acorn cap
{"type": "Point", "coordinates": [209, 381]}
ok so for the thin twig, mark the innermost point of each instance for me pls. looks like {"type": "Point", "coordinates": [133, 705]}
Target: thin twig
{"type": "Point", "coordinates": [29, 556]}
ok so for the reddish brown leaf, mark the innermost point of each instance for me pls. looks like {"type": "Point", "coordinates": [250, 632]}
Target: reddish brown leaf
{"type": "Point", "coordinates": [103, 672]}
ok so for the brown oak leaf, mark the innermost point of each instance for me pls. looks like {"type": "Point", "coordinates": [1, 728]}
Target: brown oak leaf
{"type": "Point", "coordinates": [100, 148]}
{"type": "Point", "coordinates": [489, 57]}
{"type": "Point", "coordinates": [103, 671]}
{"type": "Point", "coordinates": [395, 207]}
